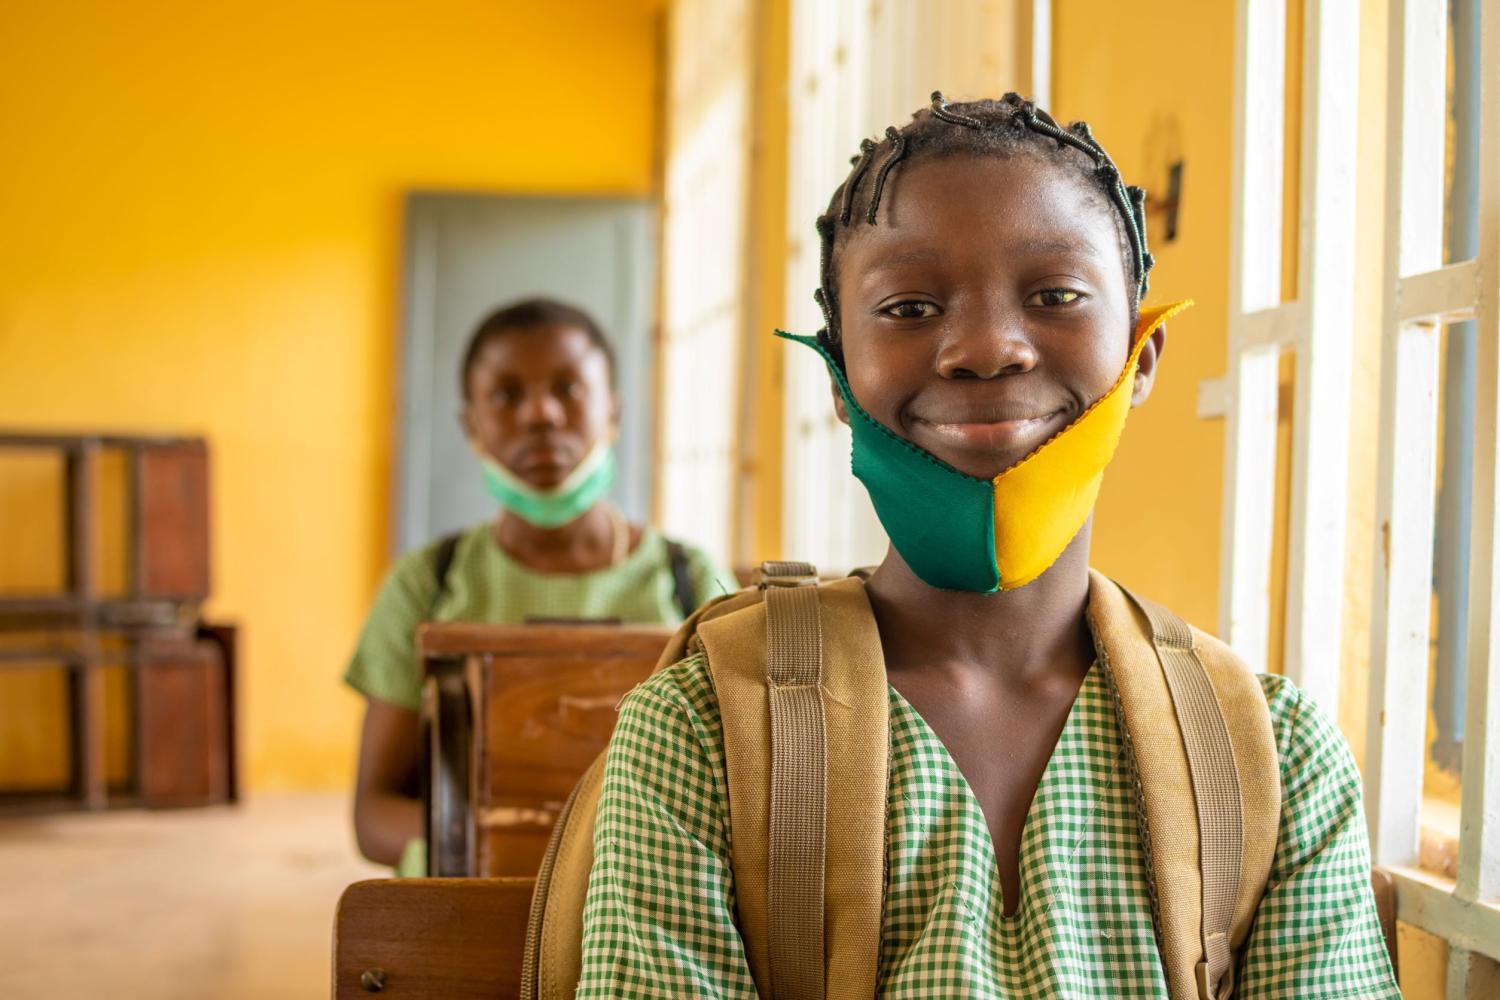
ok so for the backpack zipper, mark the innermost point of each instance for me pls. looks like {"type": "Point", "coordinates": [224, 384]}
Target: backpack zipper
{"type": "Point", "coordinates": [531, 956]}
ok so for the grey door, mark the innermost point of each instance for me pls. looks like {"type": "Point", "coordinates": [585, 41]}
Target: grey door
{"type": "Point", "coordinates": [467, 254]}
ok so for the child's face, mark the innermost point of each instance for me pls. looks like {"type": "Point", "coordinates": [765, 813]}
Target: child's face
{"type": "Point", "coordinates": [987, 310]}
{"type": "Point", "coordinates": [539, 400]}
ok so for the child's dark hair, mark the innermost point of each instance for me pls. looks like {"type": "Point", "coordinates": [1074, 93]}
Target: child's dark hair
{"type": "Point", "coordinates": [526, 316]}
{"type": "Point", "coordinates": [980, 128]}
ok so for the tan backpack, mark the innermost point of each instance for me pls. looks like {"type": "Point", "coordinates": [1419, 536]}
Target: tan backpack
{"type": "Point", "coordinates": [797, 667]}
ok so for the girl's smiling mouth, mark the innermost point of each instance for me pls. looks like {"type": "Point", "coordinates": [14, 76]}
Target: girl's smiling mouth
{"type": "Point", "coordinates": [990, 435]}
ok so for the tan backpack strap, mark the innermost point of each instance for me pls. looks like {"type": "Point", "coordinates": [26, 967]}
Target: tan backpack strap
{"type": "Point", "coordinates": [735, 632]}
{"type": "Point", "coordinates": [799, 775]}
{"type": "Point", "coordinates": [1216, 785]}
{"type": "Point", "coordinates": [1198, 732]}
{"type": "Point", "coordinates": [845, 826]}
{"type": "Point", "coordinates": [553, 957]}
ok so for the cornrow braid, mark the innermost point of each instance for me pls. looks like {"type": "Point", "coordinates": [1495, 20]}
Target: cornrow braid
{"type": "Point", "coordinates": [941, 110]}
{"type": "Point", "coordinates": [1130, 202]}
{"type": "Point", "coordinates": [861, 164]}
{"type": "Point", "coordinates": [985, 128]}
{"type": "Point", "coordinates": [898, 150]}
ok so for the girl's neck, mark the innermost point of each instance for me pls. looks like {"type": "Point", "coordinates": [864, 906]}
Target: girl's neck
{"type": "Point", "coordinates": [590, 542]}
{"type": "Point", "coordinates": [1015, 637]}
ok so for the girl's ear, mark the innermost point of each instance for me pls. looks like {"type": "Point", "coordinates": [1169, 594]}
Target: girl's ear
{"type": "Point", "coordinates": [466, 422]}
{"type": "Point", "coordinates": [1145, 369]}
{"type": "Point", "coordinates": [838, 400]}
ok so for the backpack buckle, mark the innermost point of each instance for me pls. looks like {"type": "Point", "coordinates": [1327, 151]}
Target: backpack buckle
{"type": "Point", "coordinates": [776, 573]}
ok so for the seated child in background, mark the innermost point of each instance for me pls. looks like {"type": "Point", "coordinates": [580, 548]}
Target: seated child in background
{"type": "Point", "coordinates": [542, 414]}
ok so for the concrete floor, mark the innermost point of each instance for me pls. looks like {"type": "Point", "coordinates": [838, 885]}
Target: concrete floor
{"type": "Point", "coordinates": [180, 905]}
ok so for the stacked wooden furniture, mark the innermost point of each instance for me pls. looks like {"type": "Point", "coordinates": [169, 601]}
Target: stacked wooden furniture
{"type": "Point", "coordinates": [180, 671]}
{"type": "Point", "coordinates": [513, 715]}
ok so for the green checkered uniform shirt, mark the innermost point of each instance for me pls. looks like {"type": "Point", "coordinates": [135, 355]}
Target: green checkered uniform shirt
{"type": "Point", "coordinates": [486, 584]}
{"type": "Point", "coordinates": [659, 921]}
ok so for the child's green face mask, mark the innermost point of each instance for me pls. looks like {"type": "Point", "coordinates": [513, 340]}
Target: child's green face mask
{"type": "Point", "coordinates": [566, 502]}
{"type": "Point", "coordinates": [958, 532]}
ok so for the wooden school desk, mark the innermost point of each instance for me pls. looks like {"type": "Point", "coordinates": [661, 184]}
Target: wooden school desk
{"type": "Point", "coordinates": [512, 716]}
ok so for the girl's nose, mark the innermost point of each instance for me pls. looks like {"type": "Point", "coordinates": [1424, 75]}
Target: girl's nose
{"type": "Point", "coordinates": [986, 347]}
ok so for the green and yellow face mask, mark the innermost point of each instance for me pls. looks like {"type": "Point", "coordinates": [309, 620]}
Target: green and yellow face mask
{"type": "Point", "coordinates": [958, 532]}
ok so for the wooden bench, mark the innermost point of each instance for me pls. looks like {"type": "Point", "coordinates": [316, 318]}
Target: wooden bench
{"type": "Point", "coordinates": [464, 938]}
{"type": "Point", "coordinates": [512, 716]}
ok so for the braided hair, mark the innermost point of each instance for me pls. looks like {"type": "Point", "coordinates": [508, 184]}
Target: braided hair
{"type": "Point", "coordinates": [982, 128]}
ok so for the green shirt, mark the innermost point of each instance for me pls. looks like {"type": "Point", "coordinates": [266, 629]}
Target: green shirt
{"type": "Point", "coordinates": [659, 921]}
{"type": "Point", "coordinates": [486, 585]}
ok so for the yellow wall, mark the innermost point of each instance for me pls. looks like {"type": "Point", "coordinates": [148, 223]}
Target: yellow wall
{"type": "Point", "coordinates": [1155, 80]}
{"type": "Point", "coordinates": [767, 271]}
{"type": "Point", "coordinates": [201, 210]}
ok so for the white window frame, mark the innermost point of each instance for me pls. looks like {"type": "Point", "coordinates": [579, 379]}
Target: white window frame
{"type": "Point", "coordinates": [710, 93]}
{"type": "Point", "coordinates": [1420, 296]}
{"type": "Point", "coordinates": [1316, 327]}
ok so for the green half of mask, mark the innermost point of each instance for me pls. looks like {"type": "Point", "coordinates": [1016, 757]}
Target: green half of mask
{"type": "Point", "coordinates": [568, 501]}
{"type": "Point", "coordinates": [940, 519]}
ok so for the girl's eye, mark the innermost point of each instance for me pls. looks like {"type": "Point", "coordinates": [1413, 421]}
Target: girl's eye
{"type": "Point", "coordinates": [1053, 297]}
{"type": "Point", "coordinates": [570, 390]}
{"type": "Point", "coordinates": [912, 309]}
{"type": "Point", "coordinates": [504, 397]}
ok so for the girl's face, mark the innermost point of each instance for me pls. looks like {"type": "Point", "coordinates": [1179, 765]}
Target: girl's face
{"type": "Point", "coordinates": [539, 401]}
{"type": "Point", "coordinates": [987, 310]}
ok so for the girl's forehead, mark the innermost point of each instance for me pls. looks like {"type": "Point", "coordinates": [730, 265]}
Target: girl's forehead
{"type": "Point", "coordinates": [1014, 203]}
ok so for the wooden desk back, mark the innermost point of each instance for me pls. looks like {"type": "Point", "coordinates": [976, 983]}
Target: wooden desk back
{"type": "Point", "coordinates": [543, 703]}
{"type": "Point", "coordinates": [431, 939]}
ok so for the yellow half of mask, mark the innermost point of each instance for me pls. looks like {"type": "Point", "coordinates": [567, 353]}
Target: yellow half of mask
{"type": "Point", "coordinates": [1043, 500]}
